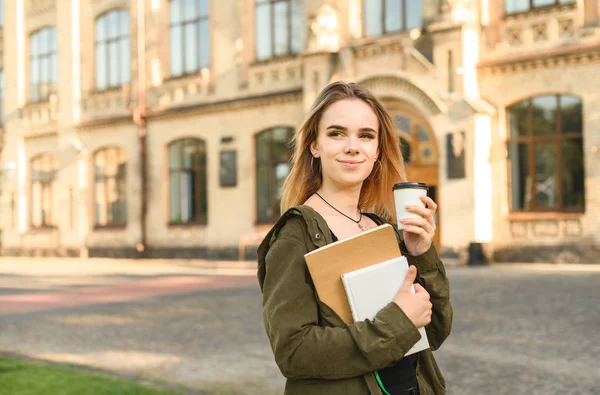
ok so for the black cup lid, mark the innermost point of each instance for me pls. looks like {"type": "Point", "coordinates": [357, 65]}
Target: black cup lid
{"type": "Point", "coordinates": [410, 185]}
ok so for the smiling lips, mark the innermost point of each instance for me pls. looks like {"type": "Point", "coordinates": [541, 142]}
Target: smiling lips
{"type": "Point", "coordinates": [351, 163]}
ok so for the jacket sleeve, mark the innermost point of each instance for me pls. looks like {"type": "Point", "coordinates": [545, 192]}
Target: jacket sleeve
{"type": "Point", "coordinates": [431, 274]}
{"type": "Point", "coordinates": [302, 348]}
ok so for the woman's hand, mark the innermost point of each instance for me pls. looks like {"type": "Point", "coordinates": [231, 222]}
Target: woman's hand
{"type": "Point", "coordinates": [418, 232]}
{"type": "Point", "coordinates": [416, 306]}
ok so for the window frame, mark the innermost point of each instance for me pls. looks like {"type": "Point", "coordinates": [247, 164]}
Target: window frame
{"type": "Point", "coordinates": [46, 53]}
{"type": "Point", "coordinates": [530, 140]}
{"type": "Point", "coordinates": [290, 30]}
{"type": "Point", "coordinates": [182, 23]}
{"type": "Point", "coordinates": [195, 171]}
{"type": "Point", "coordinates": [45, 183]}
{"type": "Point", "coordinates": [532, 7]}
{"type": "Point", "coordinates": [121, 155]}
{"type": "Point", "coordinates": [384, 31]}
{"type": "Point", "coordinates": [272, 164]}
{"type": "Point", "coordinates": [107, 41]}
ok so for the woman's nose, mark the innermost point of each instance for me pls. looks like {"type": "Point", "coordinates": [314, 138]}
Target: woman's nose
{"type": "Point", "coordinates": [351, 146]}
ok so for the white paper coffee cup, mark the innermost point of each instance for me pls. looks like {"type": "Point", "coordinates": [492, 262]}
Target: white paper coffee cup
{"type": "Point", "coordinates": [408, 194]}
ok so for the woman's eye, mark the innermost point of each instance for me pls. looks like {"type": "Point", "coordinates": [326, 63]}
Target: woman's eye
{"type": "Point", "coordinates": [335, 134]}
{"type": "Point", "coordinates": [367, 135]}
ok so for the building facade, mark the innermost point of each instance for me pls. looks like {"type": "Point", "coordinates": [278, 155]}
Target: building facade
{"type": "Point", "coordinates": [160, 128]}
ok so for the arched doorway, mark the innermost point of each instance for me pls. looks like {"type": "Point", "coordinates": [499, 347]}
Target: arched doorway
{"type": "Point", "coordinates": [419, 148]}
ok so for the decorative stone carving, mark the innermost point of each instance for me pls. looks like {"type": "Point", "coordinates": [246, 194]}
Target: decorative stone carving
{"type": "Point", "coordinates": [514, 35]}
{"type": "Point", "coordinates": [540, 31]}
{"type": "Point", "coordinates": [518, 230]}
{"type": "Point", "coordinates": [546, 228]}
{"type": "Point", "coordinates": [566, 27]}
{"type": "Point", "coordinates": [325, 30]}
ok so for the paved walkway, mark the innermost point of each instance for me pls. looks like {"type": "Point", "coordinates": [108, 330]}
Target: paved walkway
{"type": "Point", "coordinates": [519, 329]}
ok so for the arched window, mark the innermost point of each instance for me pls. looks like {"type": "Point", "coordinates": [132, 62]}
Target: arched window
{"type": "Point", "coordinates": [188, 186]}
{"type": "Point", "coordinates": [110, 188]}
{"type": "Point", "coordinates": [272, 167]}
{"type": "Point", "coordinates": [43, 190]}
{"type": "Point", "coordinates": [416, 143]}
{"type": "Point", "coordinates": [190, 36]}
{"type": "Point", "coordinates": [113, 52]}
{"type": "Point", "coordinates": [43, 64]}
{"type": "Point", "coordinates": [545, 151]}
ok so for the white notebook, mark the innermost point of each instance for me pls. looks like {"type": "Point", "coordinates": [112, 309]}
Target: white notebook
{"type": "Point", "coordinates": [371, 288]}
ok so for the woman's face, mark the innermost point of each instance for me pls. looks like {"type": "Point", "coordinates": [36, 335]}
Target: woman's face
{"type": "Point", "coordinates": [347, 142]}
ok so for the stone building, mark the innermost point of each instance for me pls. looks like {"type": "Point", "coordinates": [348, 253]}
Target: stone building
{"type": "Point", "coordinates": [159, 128]}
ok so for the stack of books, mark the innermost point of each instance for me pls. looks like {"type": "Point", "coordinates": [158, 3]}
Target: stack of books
{"type": "Point", "coordinates": [360, 275]}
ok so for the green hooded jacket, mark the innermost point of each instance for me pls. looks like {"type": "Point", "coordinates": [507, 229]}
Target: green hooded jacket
{"type": "Point", "coordinates": [315, 350]}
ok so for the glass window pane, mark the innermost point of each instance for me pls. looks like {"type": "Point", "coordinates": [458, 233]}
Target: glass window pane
{"type": "Point", "coordinates": [175, 11]}
{"type": "Point", "coordinates": [186, 194]}
{"type": "Point", "coordinates": [176, 55]}
{"type": "Point", "coordinates": [542, 3]}
{"type": "Point", "coordinates": [423, 136]}
{"type": "Point", "coordinates": [544, 111]}
{"type": "Point", "coordinates": [101, 71]}
{"type": "Point", "coordinates": [204, 42]}
{"type": "Point", "coordinates": [298, 26]}
{"type": "Point", "coordinates": [122, 202]}
{"type": "Point", "coordinates": [52, 41]}
{"type": "Point", "coordinates": [125, 61]}
{"type": "Point", "coordinates": [100, 192]}
{"type": "Point", "coordinates": [372, 18]}
{"type": "Point", "coordinates": [281, 31]}
{"type": "Point", "coordinates": [44, 69]}
{"type": "Point", "coordinates": [262, 192]}
{"type": "Point", "coordinates": [514, 6]}
{"type": "Point", "coordinates": [571, 113]}
{"type": "Point", "coordinates": [191, 47]}
{"type": "Point", "coordinates": [124, 23]}
{"type": "Point", "coordinates": [520, 176]}
{"type": "Point", "coordinates": [518, 118]}
{"type": "Point", "coordinates": [567, 1]}
{"type": "Point", "coordinates": [546, 191]}
{"type": "Point", "coordinates": [281, 172]}
{"type": "Point", "coordinates": [189, 151]}
{"type": "Point", "coordinates": [414, 14]}
{"type": "Point", "coordinates": [34, 45]}
{"type": "Point", "coordinates": [203, 8]}
{"type": "Point", "coordinates": [190, 10]}
{"type": "Point", "coordinates": [201, 195]}
{"type": "Point", "coordinates": [101, 28]}
{"type": "Point", "coordinates": [393, 15]}
{"type": "Point", "coordinates": [175, 197]}
{"type": "Point", "coordinates": [405, 149]}
{"type": "Point", "coordinates": [263, 31]}
{"type": "Point", "coordinates": [263, 151]}
{"type": "Point", "coordinates": [113, 61]}
{"type": "Point", "coordinates": [175, 160]}
{"type": "Point", "coordinates": [403, 124]}
{"type": "Point", "coordinates": [572, 172]}
{"type": "Point", "coordinates": [36, 204]}
{"type": "Point", "coordinates": [113, 22]}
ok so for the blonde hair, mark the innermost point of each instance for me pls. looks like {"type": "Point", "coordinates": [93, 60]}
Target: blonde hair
{"type": "Point", "coordinates": [376, 194]}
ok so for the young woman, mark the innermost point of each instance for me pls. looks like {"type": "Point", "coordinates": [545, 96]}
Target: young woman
{"type": "Point", "coordinates": [345, 163]}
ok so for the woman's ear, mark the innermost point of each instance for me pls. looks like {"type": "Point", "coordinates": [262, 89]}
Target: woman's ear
{"type": "Point", "coordinates": [314, 150]}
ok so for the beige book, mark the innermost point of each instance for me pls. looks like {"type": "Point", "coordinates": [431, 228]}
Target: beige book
{"type": "Point", "coordinates": [328, 263]}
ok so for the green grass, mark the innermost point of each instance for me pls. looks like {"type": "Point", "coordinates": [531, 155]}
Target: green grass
{"type": "Point", "coordinates": [19, 377]}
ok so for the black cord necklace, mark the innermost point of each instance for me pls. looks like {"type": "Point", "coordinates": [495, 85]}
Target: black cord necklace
{"type": "Point", "coordinates": [350, 218]}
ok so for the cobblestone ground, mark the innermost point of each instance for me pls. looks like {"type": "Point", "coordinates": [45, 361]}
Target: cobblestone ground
{"type": "Point", "coordinates": [516, 331]}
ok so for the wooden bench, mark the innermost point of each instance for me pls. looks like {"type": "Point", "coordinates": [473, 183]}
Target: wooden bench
{"type": "Point", "coordinates": [249, 239]}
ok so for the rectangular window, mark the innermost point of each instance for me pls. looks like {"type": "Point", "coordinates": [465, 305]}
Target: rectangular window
{"type": "Point", "coordinates": [189, 32]}
{"type": "Point", "coordinates": [279, 28]}
{"type": "Point", "coordinates": [110, 187]}
{"type": "Point", "coordinates": [188, 184]}
{"type": "Point", "coordinates": [43, 175]}
{"type": "Point", "coordinates": [518, 6]}
{"type": "Point", "coordinates": [43, 64]}
{"type": "Point", "coordinates": [389, 16]}
{"type": "Point", "coordinates": [113, 52]}
{"type": "Point", "coordinates": [545, 151]}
